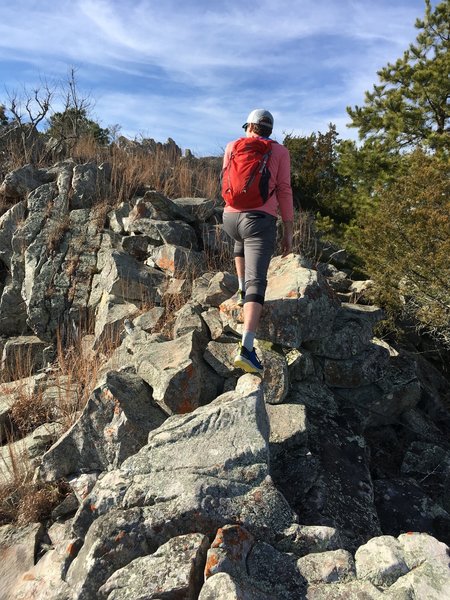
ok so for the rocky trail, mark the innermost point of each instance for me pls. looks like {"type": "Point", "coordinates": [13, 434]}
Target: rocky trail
{"type": "Point", "coordinates": [327, 478]}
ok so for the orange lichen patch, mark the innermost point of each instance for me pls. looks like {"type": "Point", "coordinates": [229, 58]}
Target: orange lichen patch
{"type": "Point", "coordinates": [166, 264]}
{"type": "Point", "coordinates": [257, 496]}
{"type": "Point", "coordinates": [92, 507]}
{"type": "Point", "coordinates": [292, 294]}
{"type": "Point", "coordinates": [109, 431]}
{"type": "Point", "coordinates": [28, 577]}
{"type": "Point", "coordinates": [71, 549]}
{"type": "Point", "coordinates": [218, 540]}
{"type": "Point", "coordinates": [211, 562]}
{"type": "Point", "coordinates": [120, 536]}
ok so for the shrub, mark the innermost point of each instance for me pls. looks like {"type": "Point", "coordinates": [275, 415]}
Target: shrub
{"type": "Point", "coordinates": [405, 244]}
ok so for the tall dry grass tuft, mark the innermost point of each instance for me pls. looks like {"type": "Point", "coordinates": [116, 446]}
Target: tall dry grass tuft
{"type": "Point", "coordinates": [60, 398]}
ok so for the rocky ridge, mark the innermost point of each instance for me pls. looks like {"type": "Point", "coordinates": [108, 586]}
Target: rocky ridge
{"type": "Point", "coordinates": [327, 478]}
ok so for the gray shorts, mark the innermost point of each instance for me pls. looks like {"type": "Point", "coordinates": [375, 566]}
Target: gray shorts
{"type": "Point", "coordinates": [254, 233]}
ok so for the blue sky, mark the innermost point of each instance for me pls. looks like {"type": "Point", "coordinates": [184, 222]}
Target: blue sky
{"type": "Point", "coordinates": [193, 70]}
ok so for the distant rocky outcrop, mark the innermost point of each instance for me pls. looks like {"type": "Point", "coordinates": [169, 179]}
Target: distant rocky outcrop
{"type": "Point", "coordinates": [329, 477]}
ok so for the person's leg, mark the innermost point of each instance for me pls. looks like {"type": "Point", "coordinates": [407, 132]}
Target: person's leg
{"type": "Point", "coordinates": [239, 261]}
{"type": "Point", "coordinates": [230, 225]}
{"type": "Point", "coordinates": [259, 233]}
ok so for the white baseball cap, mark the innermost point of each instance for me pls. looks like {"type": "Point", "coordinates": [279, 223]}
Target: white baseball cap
{"type": "Point", "coordinates": [259, 116]}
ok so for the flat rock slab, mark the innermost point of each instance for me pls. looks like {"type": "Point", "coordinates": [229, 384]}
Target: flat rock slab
{"type": "Point", "coordinates": [197, 473]}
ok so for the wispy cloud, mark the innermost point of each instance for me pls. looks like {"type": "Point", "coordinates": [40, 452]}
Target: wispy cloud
{"type": "Point", "coordinates": [192, 70]}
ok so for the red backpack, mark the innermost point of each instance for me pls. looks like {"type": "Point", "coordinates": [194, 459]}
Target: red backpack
{"type": "Point", "coordinates": [245, 179]}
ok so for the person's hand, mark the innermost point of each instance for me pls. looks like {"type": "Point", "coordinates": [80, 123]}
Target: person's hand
{"type": "Point", "coordinates": [286, 243]}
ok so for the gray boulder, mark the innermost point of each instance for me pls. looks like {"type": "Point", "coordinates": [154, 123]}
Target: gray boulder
{"type": "Point", "coordinates": [173, 571]}
{"type": "Point", "coordinates": [165, 209]}
{"type": "Point", "coordinates": [381, 561]}
{"type": "Point", "coordinates": [353, 590]}
{"type": "Point", "coordinates": [211, 289]}
{"type": "Point", "coordinates": [175, 370]}
{"type": "Point", "coordinates": [351, 334]}
{"type": "Point", "coordinates": [299, 305]}
{"type": "Point", "coordinates": [113, 425]}
{"type": "Point", "coordinates": [21, 356]}
{"type": "Point", "coordinates": [402, 505]}
{"type": "Point", "coordinates": [198, 472]}
{"type": "Point", "coordinates": [128, 280]}
{"type": "Point", "coordinates": [428, 580]}
{"type": "Point", "coordinates": [18, 546]}
{"type": "Point", "coordinates": [327, 567]}
{"type": "Point", "coordinates": [24, 180]}
{"type": "Point", "coordinates": [163, 232]}
{"type": "Point", "coordinates": [200, 208]}
{"type": "Point", "coordinates": [177, 261]}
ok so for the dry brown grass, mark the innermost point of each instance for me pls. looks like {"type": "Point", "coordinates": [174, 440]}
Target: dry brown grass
{"type": "Point", "coordinates": [72, 378]}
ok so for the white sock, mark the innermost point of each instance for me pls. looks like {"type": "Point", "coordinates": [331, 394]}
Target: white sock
{"type": "Point", "coordinates": [248, 337]}
{"type": "Point", "coordinates": [241, 284]}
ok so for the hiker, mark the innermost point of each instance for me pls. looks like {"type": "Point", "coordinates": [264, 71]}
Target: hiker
{"type": "Point", "coordinates": [256, 184]}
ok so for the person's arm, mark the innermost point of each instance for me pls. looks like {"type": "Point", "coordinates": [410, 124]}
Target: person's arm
{"type": "Point", "coordinates": [288, 234]}
{"type": "Point", "coordinates": [285, 201]}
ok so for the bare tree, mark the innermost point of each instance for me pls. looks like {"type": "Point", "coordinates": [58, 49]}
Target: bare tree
{"type": "Point", "coordinates": [28, 110]}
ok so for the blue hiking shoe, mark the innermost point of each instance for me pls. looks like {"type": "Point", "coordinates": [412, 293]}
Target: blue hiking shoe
{"type": "Point", "coordinates": [247, 360]}
{"type": "Point", "coordinates": [240, 297]}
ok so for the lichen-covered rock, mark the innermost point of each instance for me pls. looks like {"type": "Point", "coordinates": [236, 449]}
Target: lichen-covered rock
{"type": "Point", "coordinates": [187, 319]}
{"type": "Point", "coordinates": [353, 590]}
{"type": "Point", "coordinates": [211, 289]}
{"type": "Point", "coordinates": [165, 209]}
{"type": "Point", "coordinates": [198, 472]}
{"type": "Point", "coordinates": [382, 402]}
{"type": "Point", "coordinates": [229, 552]}
{"type": "Point", "coordinates": [381, 561]}
{"type": "Point", "coordinates": [299, 305]}
{"type": "Point", "coordinates": [419, 547]}
{"type": "Point", "coordinates": [200, 208]}
{"type": "Point", "coordinates": [113, 425]}
{"type": "Point", "coordinates": [24, 180]}
{"type": "Point", "coordinates": [223, 587]}
{"type": "Point", "coordinates": [306, 539]}
{"type": "Point", "coordinates": [327, 567]}
{"type": "Point", "coordinates": [162, 232]}
{"type": "Point", "coordinates": [275, 375]}
{"type": "Point", "coordinates": [361, 370]}
{"type": "Point", "coordinates": [173, 571]}
{"type": "Point", "coordinates": [175, 370]}
{"type": "Point", "coordinates": [287, 425]}
{"type": "Point", "coordinates": [110, 317]}
{"type": "Point", "coordinates": [220, 356]}
{"type": "Point", "coordinates": [150, 320]}
{"type": "Point", "coordinates": [351, 334]}
{"type": "Point", "coordinates": [18, 546]}
{"type": "Point", "coordinates": [127, 279]}
{"type": "Point", "coordinates": [178, 261]}
{"type": "Point", "coordinates": [22, 354]}
{"type": "Point", "coordinates": [428, 580]}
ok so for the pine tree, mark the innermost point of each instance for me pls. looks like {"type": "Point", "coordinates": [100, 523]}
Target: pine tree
{"type": "Point", "coordinates": [409, 106]}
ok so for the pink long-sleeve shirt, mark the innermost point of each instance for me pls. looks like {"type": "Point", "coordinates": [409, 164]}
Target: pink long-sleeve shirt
{"type": "Point", "coordinates": [280, 183]}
